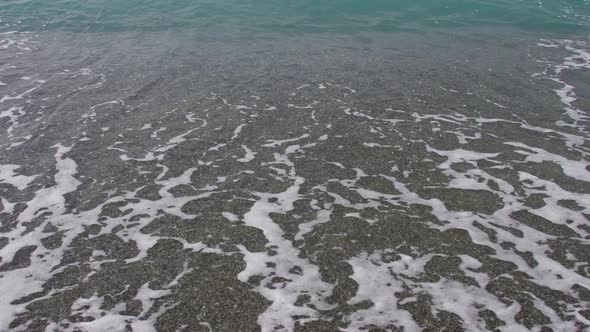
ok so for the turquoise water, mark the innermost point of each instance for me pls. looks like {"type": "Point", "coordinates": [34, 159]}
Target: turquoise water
{"type": "Point", "coordinates": [298, 16]}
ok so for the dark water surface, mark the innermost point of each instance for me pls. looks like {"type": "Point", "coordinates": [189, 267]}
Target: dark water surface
{"type": "Point", "coordinates": [294, 166]}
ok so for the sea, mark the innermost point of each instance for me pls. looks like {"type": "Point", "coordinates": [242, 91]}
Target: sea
{"type": "Point", "coordinates": [294, 165]}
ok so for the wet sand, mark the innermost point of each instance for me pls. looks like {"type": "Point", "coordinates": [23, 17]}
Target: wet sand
{"type": "Point", "coordinates": [324, 183]}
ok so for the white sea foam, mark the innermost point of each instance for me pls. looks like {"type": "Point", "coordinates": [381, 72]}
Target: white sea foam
{"type": "Point", "coordinates": [249, 156]}
{"type": "Point", "coordinates": [9, 175]}
{"type": "Point", "coordinates": [574, 168]}
{"type": "Point", "coordinates": [307, 281]}
{"type": "Point", "coordinates": [580, 59]}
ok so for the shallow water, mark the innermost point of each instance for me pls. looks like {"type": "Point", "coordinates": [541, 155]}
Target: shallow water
{"type": "Point", "coordinates": [294, 166]}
